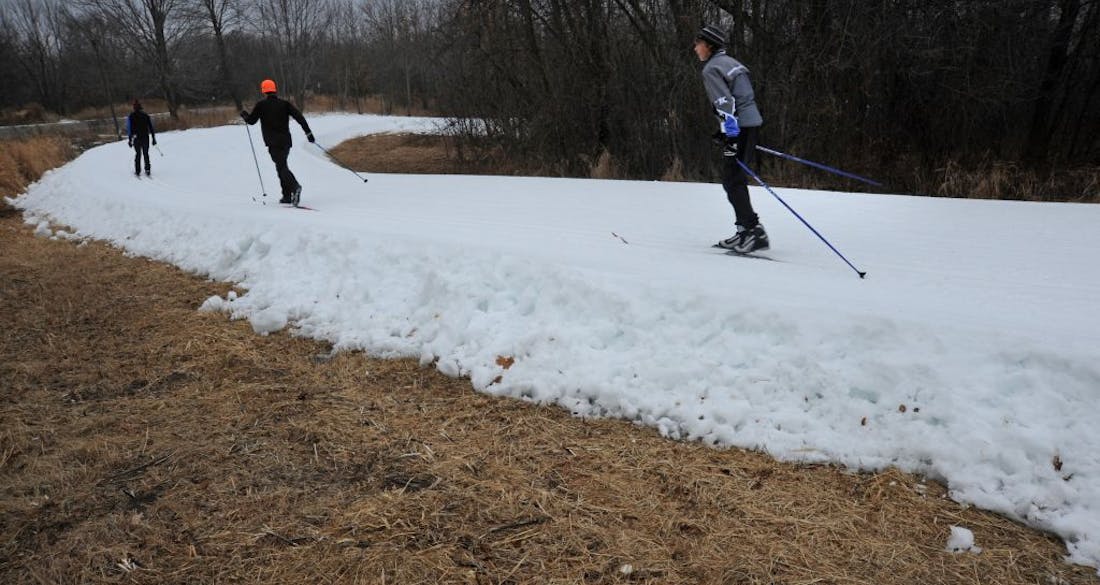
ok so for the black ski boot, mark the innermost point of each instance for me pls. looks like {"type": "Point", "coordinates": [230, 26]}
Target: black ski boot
{"type": "Point", "coordinates": [731, 242]}
{"type": "Point", "coordinates": [751, 240]}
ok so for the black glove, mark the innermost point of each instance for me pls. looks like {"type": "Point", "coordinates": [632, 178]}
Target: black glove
{"type": "Point", "coordinates": [309, 137]}
{"type": "Point", "coordinates": [730, 147]}
{"type": "Point", "coordinates": [154, 141]}
{"type": "Point", "coordinates": [130, 142]}
{"type": "Point", "coordinates": [244, 115]}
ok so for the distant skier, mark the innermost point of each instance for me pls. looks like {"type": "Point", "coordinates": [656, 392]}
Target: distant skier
{"type": "Point", "coordinates": [730, 91]}
{"type": "Point", "coordinates": [274, 115]}
{"type": "Point", "coordinates": [139, 129]}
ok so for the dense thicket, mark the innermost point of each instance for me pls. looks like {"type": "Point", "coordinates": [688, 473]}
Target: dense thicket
{"type": "Point", "coordinates": [895, 88]}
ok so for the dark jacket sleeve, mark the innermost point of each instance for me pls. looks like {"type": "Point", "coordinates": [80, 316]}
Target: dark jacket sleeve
{"type": "Point", "coordinates": [297, 115]}
{"type": "Point", "coordinates": [152, 130]}
{"type": "Point", "coordinates": [254, 115]}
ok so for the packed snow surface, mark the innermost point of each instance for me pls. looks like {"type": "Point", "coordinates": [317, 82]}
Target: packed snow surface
{"type": "Point", "coordinates": [969, 353]}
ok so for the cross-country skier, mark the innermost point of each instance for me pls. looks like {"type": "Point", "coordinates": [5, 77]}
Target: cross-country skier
{"type": "Point", "coordinates": [274, 115]}
{"type": "Point", "coordinates": [139, 129]}
{"type": "Point", "coordinates": [730, 91]}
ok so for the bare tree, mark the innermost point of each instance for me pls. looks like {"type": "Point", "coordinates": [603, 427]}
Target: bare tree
{"type": "Point", "coordinates": [293, 32]}
{"type": "Point", "coordinates": [97, 34]}
{"type": "Point", "coordinates": [348, 65]}
{"type": "Point", "coordinates": [150, 28]}
{"type": "Point", "coordinates": [896, 88]}
{"type": "Point", "coordinates": [1072, 39]}
{"type": "Point", "coordinates": [405, 35]}
{"type": "Point", "coordinates": [9, 76]}
{"type": "Point", "coordinates": [220, 16]}
{"type": "Point", "coordinates": [40, 32]}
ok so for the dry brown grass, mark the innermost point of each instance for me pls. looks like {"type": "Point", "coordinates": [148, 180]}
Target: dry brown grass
{"type": "Point", "coordinates": [603, 167]}
{"type": "Point", "coordinates": [412, 153]}
{"type": "Point", "coordinates": [35, 114]}
{"type": "Point", "coordinates": [151, 105]}
{"type": "Point", "coordinates": [22, 161]}
{"type": "Point", "coordinates": [198, 118]}
{"type": "Point", "coordinates": [419, 154]}
{"type": "Point", "coordinates": [372, 104]}
{"type": "Point", "coordinates": [1003, 180]}
{"type": "Point", "coordinates": [397, 153]}
{"type": "Point", "coordinates": [32, 113]}
{"type": "Point", "coordinates": [144, 442]}
{"type": "Point", "coordinates": [984, 179]}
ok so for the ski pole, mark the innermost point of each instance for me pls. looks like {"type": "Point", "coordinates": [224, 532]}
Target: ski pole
{"type": "Point", "coordinates": [806, 223]}
{"type": "Point", "coordinates": [811, 163]}
{"type": "Point", "coordinates": [255, 160]}
{"type": "Point", "coordinates": [158, 149]}
{"type": "Point", "coordinates": [338, 162]}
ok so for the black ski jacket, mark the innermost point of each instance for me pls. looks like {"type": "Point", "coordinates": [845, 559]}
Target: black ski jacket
{"type": "Point", "coordinates": [139, 126]}
{"type": "Point", "coordinates": [274, 115]}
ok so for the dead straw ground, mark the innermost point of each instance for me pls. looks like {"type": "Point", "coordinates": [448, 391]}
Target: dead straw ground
{"type": "Point", "coordinates": [144, 442]}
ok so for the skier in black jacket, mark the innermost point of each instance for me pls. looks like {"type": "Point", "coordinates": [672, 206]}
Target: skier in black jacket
{"type": "Point", "coordinates": [274, 115]}
{"type": "Point", "coordinates": [139, 128]}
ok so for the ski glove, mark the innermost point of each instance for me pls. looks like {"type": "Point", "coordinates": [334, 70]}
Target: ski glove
{"type": "Point", "coordinates": [154, 141]}
{"type": "Point", "coordinates": [728, 144]}
{"type": "Point", "coordinates": [130, 142]}
{"type": "Point", "coordinates": [730, 147]}
{"type": "Point", "coordinates": [244, 115]}
{"type": "Point", "coordinates": [730, 126]}
{"type": "Point", "coordinates": [309, 137]}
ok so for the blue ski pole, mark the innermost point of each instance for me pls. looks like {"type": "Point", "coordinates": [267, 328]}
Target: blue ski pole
{"type": "Point", "coordinates": [818, 165]}
{"type": "Point", "coordinates": [806, 223]}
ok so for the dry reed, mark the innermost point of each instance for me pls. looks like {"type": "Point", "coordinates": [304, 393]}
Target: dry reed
{"type": "Point", "coordinates": [24, 160]}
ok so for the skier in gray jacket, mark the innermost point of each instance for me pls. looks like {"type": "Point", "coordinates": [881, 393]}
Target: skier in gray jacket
{"type": "Point", "coordinates": [730, 91]}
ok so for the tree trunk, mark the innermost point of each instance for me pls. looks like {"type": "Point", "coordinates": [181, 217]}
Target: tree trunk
{"type": "Point", "coordinates": [223, 58]}
{"type": "Point", "coordinates": [164, 64]}
{"type": "Point", "coordinates": [1043, 116]}
{"type": "Point", "coordinates": [106, 81]}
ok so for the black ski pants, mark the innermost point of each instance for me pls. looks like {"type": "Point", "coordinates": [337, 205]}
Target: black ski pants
{"type": "Point", "coordinates": [735, 181]}
{"type": "Point", "coordinates": [287, 182]}
{"type": "Point", "coordinates": [141, 148]}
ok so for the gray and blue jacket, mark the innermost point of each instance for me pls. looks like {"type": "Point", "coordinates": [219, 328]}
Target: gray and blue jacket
{"type": "Point", "coordinates": [730, 92]}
